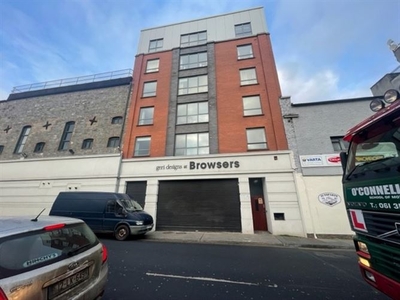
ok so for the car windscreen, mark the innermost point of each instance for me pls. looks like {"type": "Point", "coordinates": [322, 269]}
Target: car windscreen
{"type": "Point", "coordinates": [32, 250]}
{"type": "Point", "coordinates": [130, 205]}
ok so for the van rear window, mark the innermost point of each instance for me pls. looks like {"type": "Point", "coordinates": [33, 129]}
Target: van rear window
{"type": "Point", "coordinates": [32, 250]}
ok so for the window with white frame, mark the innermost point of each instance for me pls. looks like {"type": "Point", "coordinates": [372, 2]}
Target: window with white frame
{"type": "Point", "coordinates": [22, 139]}
{"type": "Point", "coordinates": [192, 113]}
{"type": "Point", "coordinates": [142, 146]}
{"type": "Point", "coordinates": [196, 60]}
{"type": "Point", "coordinates": [243, 29]}
{"type": "Point", "coordinates": [248, 76]}
{"type": "Point", "coordinates": [339, 144]}
{"type": "Point", "coordinates": [256, 139]}
{"type": "Point", "coordinates": [149, 89]}
{"type": "Point", "coordinates": [193, 39]}
{"type": "Point", "coordinates": [251, 106]}
{"type": "Point", "coordinates": [245, 51]}
{"type": "Point", "coordinates": [193, 85]}
{"type": "Point", "coordinates": [192, 144]}
{"type": "Point", "coordinates": [146, 115]}
{"type": "Point", "coordinates": [155, 45]}
{"type": "Point", "coordinates": [152, 65]}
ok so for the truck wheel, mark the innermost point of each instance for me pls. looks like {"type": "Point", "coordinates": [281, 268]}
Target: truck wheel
{"type": "Point", "coordinates": [121, 233]}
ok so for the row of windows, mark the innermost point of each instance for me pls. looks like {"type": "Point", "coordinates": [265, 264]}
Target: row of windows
{"type": "Point", "coordinates": [198, 143]}
{"type": "Point", "coordinates": [197, 112]}
{"type": "Point", "coordinates": [198, 60]}
{"type": "Point", "coordinates": [113, 142]}
{"type": "Point", "coordinates": [199, 38]}
{"type": "Point", "coordinates": [65, 138]}
{"type": "Point", "coordinates": [192, 144]}
{"type": "Point", "coordinates": [198, 84]}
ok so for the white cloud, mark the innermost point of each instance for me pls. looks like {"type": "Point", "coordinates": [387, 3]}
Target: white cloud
{"type": "Point", "coordinates": [320, 86]}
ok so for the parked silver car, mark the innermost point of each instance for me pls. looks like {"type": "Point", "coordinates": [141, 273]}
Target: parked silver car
{"type": "Point", "coordinates": [50, 258]}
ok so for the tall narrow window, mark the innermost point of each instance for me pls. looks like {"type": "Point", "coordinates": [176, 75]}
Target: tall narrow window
{"type": "Point", "coordinates": [146, 115]}
{"type": "Point", "coordinates": [113, 142]}
{"type": "Point", "coordinates": [116, 120]}
{"type": "Point", "coordinates": [149, 89]}
{"type": "Point", "coordinates": [190, 61]}
{"type": "Point", "coordinates": [192, 85]}
{"type": "Point", "coordinates": [152, 65]}
{"type": "Point", "coordinates": [22, 139]}
{"type": "Point", "coordinates": [339, 144]}
{"type": "Point", "coordinates": [248, 76]}
{"type": "Point", "coordinates": [155, 45]}
{"type": "Point", "coordinates": [87, 144]}
{"type": "Point", "coordinates": [256, 139]}
{"type": "Point", "coordinates": [251, 106]}
{"type": "Point", "coordinates": [67, 135]}
{"type": "Point", "coordinates": [192, 113]}
{"type": "Point", "coordinates": [245, 51]}
{"type": "Point", "coordinates": [1, 149]}
{"type": "Point", "coordinates": [243, 29]}
{"type": "Point", "coordinates": [39, 147]}
{"type": "Point", "coordinates": [193, 39]}
{"type": "Point", "coordinates": [192, 144]}
{"type": "Point", "coordinates": [142, 146]}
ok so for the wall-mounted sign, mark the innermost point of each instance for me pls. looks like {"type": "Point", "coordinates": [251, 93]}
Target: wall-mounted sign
{"type": "Point", "coordinates": [324, 160]}
{"type": "Point", "coordinates": [330, 199]}
{"type": "Point", "coordinates": [203, 165]}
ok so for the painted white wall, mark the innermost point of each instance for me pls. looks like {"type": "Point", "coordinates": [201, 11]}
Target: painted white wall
{"type": "Point", "coordinates": [27, 186]}
{"type": "Point", "coordinates": [321, 218]}
{"type": "Point", "coordinates": [275, 167]}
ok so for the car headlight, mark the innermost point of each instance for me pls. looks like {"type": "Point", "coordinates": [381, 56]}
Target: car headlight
{"type": "Point", "coordinates": [139, 222]}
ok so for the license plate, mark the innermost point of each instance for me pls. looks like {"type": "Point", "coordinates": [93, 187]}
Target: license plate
{"type": "Point", "coordinates": [68, 283]}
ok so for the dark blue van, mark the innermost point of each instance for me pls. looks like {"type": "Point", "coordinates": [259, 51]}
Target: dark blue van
{"type": "Point", "coordinates": [104, 212]}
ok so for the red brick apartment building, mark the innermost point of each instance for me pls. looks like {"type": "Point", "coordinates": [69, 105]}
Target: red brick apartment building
{"type": "Point", "coordinates": [205, 143]}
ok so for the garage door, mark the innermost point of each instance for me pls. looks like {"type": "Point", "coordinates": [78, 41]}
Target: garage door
{"type": "Point", "coordinates": [203, 205]}
{"type": "Point", "coordinates": [137, 191]}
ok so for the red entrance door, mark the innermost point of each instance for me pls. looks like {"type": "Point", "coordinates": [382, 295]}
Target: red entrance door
{"type": "Point", "coordinates": [259, 215]}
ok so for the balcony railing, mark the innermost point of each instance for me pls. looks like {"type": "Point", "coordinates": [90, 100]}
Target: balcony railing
{"type": "Point", "coordinates": [72, 81]}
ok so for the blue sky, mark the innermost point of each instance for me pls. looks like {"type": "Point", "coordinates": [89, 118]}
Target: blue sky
{"type": "Point", "coordinates": [324, 49]}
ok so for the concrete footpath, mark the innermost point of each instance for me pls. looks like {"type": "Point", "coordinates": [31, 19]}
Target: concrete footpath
{"type": "Point", "coordinates": [257, 239]}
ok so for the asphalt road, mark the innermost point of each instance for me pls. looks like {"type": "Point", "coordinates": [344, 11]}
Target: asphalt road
{"type": "Point", "coordinates": [144, 270]}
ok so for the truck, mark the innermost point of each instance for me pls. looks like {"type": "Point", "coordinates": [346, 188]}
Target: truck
{"type": "Point", "coordinates": [371, 189]}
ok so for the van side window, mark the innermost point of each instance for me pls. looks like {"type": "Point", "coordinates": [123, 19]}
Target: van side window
{"type": "Point", "coordinates": [111, 206]}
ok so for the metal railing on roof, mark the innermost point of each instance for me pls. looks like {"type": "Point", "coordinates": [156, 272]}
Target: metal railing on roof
{"type": "Point", "coordinates": [72, 81]}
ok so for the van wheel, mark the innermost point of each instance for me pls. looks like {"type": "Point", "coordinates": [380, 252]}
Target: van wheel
{"type": "Point", "coordinates": [121, 233]}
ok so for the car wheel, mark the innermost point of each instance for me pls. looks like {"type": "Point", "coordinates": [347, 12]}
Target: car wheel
{"type": "Point", "coordinates": [121, 233]}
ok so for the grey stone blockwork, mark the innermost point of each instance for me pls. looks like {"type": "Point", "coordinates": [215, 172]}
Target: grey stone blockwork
{"type": "Point", "coordinates": [58, 109]}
